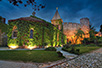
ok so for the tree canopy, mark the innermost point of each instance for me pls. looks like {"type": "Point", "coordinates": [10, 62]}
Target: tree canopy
{"type": "Point", "coordinates": [35, 6]}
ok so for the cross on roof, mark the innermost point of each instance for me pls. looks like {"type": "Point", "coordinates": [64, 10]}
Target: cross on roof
{"type": "Point", "coordinates": [33, 13]}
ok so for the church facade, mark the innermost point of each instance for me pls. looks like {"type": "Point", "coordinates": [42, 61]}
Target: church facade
{"type": "Point", "coordinates": [70, 28]}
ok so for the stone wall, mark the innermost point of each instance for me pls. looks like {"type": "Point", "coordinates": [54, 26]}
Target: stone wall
{"type": "Point", "coordinates": [69, 28]}
{"type": "Point", "coordinates": [3, 39]}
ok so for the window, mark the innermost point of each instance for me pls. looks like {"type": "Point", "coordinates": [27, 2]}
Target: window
{"type": "Point", "coordinates": [14, 34]}
{"type": "Point", "coordinates": [31, 33]}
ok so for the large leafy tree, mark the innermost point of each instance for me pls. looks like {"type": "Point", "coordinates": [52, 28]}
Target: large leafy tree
{"type": "Point", "coordinates": [92, 32]}
{"type": "Point", "coordinates": [79, 34]}
{"type": "Point", "coordinates": [92, 29]}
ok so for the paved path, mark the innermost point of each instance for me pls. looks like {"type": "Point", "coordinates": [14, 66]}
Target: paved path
{"type": "Point", "coordinates": [66, 54]}
{"type": "Point", "coordinates": [9, 64]}
{"type": "Point", "coordinates": [98, 51]}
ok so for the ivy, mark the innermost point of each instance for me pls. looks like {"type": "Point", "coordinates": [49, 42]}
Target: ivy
{"type": "Point", "coordinates": [43, 33]}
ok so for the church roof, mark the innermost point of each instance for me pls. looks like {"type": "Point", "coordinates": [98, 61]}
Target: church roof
{"type": "Point", "coordinates": [56, 16]}
{"type": "Point", "coordinates": [28, 19]}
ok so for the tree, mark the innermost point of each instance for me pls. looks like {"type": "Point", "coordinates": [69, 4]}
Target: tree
{"type": "Point", "coordinates": [35, 6]}
{"type": "Point", "coordinates": [79, 34]}
{"type": "Point", "coordinates": [92, 29]}
{"type": "Point", "coordinates": [101, 29]}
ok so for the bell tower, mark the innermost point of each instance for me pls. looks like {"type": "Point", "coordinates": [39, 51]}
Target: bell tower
{"type": "Point", "coordinates": [56, 20]}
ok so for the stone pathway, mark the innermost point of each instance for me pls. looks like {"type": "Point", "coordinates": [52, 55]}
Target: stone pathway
{"type": "Point", "coordinates": [66, 54]}
{"type": "Point", "coordinates": [89, 60]}
{"type": "Point", "coordinates": [8, 64]}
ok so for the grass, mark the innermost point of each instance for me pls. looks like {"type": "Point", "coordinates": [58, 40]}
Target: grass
{"type": "Point", "coordinates": [83, 49]}
{"type": "Point", "coordinates": [39, 56]}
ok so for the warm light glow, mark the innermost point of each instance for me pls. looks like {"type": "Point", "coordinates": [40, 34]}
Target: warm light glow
{"type": "Point", "coordinates": [31, 47]}
{"type": "Point", "coordinates": [13, 46]}
{"type": "Point", "coordinates": [47, 46]}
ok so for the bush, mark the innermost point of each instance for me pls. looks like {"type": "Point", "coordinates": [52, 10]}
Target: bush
{"type": "Point", "coordinates": [64, 49]}
{"type": "Point", "coordinates": [100, 45]}
{"type": "Point", "coordinates": [72, 50]}
{"type": "Point", "coordinates": [99, 41]}
{"type": "Point", "coordinates": [66, 46]}
{"type": "Point", "coordinates": [50, 49]}
{"type": "Point", "coordinates": [78, 51]}
{"type": "Point", "coordinates": [59, 54]}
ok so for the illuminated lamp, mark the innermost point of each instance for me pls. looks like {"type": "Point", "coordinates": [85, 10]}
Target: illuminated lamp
{"type": "Point", "coordinates": [31, 47]}
{"type": "Point", "coordinates": [13, 46]}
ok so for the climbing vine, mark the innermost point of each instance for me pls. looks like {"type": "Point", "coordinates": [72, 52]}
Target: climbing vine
{"type": "Point", "coordinates": [43, 33]}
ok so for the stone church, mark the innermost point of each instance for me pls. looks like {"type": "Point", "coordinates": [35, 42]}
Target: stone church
{"type": "Point", "coordinates": [69, 28]}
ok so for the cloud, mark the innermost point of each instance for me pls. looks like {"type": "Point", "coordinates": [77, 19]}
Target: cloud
{"type": "Point", "coordinates": [69, 10]}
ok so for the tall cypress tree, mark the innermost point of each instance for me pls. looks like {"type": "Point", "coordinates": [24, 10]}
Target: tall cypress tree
{"type": "Point", "coordinates": [101, 29]}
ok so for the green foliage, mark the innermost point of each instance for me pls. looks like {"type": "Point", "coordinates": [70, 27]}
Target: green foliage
{"type": "Point", "coordinates": [92, 44]}
{"type": "Point", "coordinates": [92, 36]}
{"type": "Point", "coordinates": [79, 34]}
{"type": "Point", "coordinates": [12, 42]}
{"type": "Point", "coordinates": [100, 45]}
{"type": "Point", "coordinates": [66, 46]}
{"type": "Point", "coordinates": [42, 33]}
{"type": "Point", "coordinates": [101, 28]}
{"type": "Point", "coordinates": [4, 27]}
{"type": "Point", "coordinates": [60, 54]}
{"type": "Point", "coordinates": [50, 49]}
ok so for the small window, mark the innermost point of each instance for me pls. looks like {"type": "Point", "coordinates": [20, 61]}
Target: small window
{"type": "Point", "coordinates": [14, 34]}
{"type": "Point", "coordinates": [31, 33]}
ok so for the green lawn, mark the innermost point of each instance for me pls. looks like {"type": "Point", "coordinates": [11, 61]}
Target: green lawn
{"type": "Point", "coordinates": [39, 56]}
{"type": "Point", "coordinates": [83, 49]}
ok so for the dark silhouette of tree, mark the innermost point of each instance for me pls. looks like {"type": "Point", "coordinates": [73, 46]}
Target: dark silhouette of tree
{"type": "Point", "coordinates": [36, 7]}
{"type": "Point", "coordinates": [92, 29]}
{"type": "Point", "coordinates": [101, 29]}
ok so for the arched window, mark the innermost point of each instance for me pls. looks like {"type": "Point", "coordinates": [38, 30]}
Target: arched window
{"type": "Point", "coordinates": [31, 33]}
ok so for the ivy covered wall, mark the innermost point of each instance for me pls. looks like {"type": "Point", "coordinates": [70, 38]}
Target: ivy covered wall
{"type": "Point", "coordinates": [3, 31]}
{"type": "Point", "coordinates": [44, 33]}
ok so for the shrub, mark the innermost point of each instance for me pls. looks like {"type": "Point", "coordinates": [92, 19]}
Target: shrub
{"type": "Point", "coordinates": [12, 43]}
{"type": "Point", "coordinates": [72, 50]}
{"type": "Point", "coordinates": [99, 41]}
{"type": "Point", "coordinates": [66, 46]}
{"type": "Point", "coordinates": [100, 45]}
{"type": "Point", "coordinates": [50, 49]}
{"type": "Point", "coordinates": [64, 49]}
{"type": "Point", "coordinates": [59, 54]}
{"type": "Point", "coordinates": [77, 51]}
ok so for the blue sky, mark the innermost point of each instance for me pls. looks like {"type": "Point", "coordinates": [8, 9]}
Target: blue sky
{"type": "Point", "coordinates": [69, 10]}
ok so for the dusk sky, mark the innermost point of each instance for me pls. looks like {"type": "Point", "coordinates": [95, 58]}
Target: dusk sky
{"type": "Point", "coordinates": [69, 10]}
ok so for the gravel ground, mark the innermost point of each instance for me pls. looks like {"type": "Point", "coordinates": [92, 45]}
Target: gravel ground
{"type": "Point", "coordinates": [9, 64]}
{"type": "Point", "coordinates": [89, 60]}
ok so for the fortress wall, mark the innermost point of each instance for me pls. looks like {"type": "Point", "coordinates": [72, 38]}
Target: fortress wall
{"type": "Point", "coordinates": [69, 28]}
{"type": "Point", "coordinates": [84, 21]}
